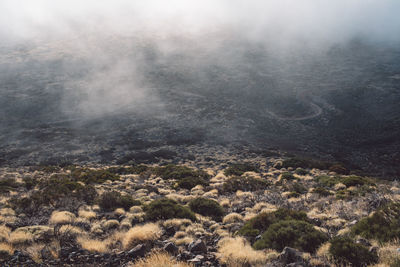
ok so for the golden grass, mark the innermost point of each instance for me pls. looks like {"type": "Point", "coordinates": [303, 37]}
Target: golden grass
{"type": "Point", "coordinates": [119, 211]}
{"type": "Point", "coordinates": [92, 245]}
{"type": "Point", "coordinates": [71, 230]}
{"type": "Point", "coordinates": [241, 194]}
{"type": "Point", "coordinates": [177, 223]}
{"type": "Point", "coordinates": [135, 209]}
{"type": "Point", "coordinates": [159, 260]}
{"type": "Point", "coordinates": [225, 203]}
{"type": "Point", "coordinates": [20, 238]}
{"type": "Point", "coordinates": [35, 252]}
{"type": "Point", "coordinates": [232, 218]}
{"type": "Point", "coordinates": [235, 252]}
{"type": "Point", "coordinates": [388, 254]}
{"type": "Point", "coordinates": [6, 249]}
{"type": "Point", "coordinates": [110, 224]}
{"type": "Point", "coordinates": [87, 214]}
{"type": "Point", "coordinates": [7, 212]}
{"type": "Point", "coordinates": [4, 233]}
{"type": "Point", "coordinates": [140, 234]}
{"type": "Point", "coordinates": [62, 217]}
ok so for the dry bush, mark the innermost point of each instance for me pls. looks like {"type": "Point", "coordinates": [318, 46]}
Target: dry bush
{"type": "Point", "coordinates": [71, 230]}
{"type": "Point", "coordinates": [233, 218]}
{"type": "Point", "coordinates": [4, 233]}
{"type": "Point", "coordinates": [6, 250]}
{"type": "Point", "coordinates": [34, 252]}
{"type": "Point", "coordinates": [177, 223]}
{"type": "Point", "coordinates": [139, 234]}
{"type": "Point", "coordinates": [62, 217]}
{"type": "Point", "coordinates": [161, 260]}
{"type": "Point", "coordinates": [7, 212]}
{"type": "Point", "coordinates": [20, 238]}
{"type": "Point", "coordinates": [135, 209]}
{"type": "Point", "coordinates": [87, 214]}
{"type": "Point", "coordinates": [119, 211]}
{"type": "Point", "coordinates": [235, 252]}
{"type": "Point", "coordinates": [389, 254]}
{"type": "Point", "coordinates": [225, 203]}
{"type": "Point", "coordinates": [93, 245]}
{"type": "Point", "coordinates": [110, 224]}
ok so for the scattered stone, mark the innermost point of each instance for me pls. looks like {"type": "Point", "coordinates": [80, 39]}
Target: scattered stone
{"type": "Point", "coordinates": [291, 255]}
{"type": "Point", "coordinates": [198, 246]}
{"type": "Point", "coordinates": [171, 248]}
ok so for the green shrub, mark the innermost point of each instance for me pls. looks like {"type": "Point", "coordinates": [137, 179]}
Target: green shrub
{"type": "Point", "coordinates": [291, 233]}
{"type": "Point", "coordinates": [261, 222]}
{"type": "Point", "coordinates": [30, 183]}
{"type": "Point", "coordinates": [301, 171]}
{"type": "Point", "coordinates": [89, 176]}
{"type": "Point", "coordinates": [207, 207]}
{"type": "Point", "coordinates": [327, 181]}
{"type": "Point", "coordinates": [240, 168]}
{"type": "Point", "coordinates": [247, 183]}
{"type": "Point", "coordinates": [287, 176]}
{"type": "Point", "coordinates": [187, 177]}
{"type": "Point", "coordinates": [345, 251]}
{"type": "Point", "coordinates": [7, 185]}
{"type": "Point", "coordinates": [190, 182]}
{"type": "Point", "coordinates": [110, 201]}
{"type": "Point", "coordinates": [355, 181]}
{"type": "Point", "coordinates": [322, 191]}
{"type": "Point", "coordinates": [383, 225]}
{"type": "Point", "coordinates": [164, 209]}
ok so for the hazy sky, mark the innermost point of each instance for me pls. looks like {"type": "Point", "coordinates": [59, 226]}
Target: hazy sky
{"type": "Point", "coordinates": [319, 20]}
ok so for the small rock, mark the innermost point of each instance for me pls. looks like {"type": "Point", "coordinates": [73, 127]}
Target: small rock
{"type": "Point", "coordinates": [171, 248]}
{"type": "Point", "coordinates": [198, 246]}
{"type": "Point", "coordinates": [138, 251]}
{"type": "Point", "coordinates": [258, 237]}
{"type": "Point", "coordinates": [374, 249]}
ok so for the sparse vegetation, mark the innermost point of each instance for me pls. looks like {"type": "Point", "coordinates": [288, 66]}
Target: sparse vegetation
{"type": "Point", "coordinates": [159, 259]}
{"type": "Point", "coordinates": [247, 183]}
{"type": "Point", "coordinates": [187, 178]}
{"type": "Point", "coordinates": [141, 233]}
{"type": "Point", "coordinates": [240, 168]}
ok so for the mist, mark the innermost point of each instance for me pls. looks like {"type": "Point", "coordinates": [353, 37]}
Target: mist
{"type": "Point", "coordinates": [105, 76]}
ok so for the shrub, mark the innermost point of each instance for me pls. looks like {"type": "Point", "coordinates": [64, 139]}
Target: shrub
{"type": "Point", "coordinates": [322, 191]}
{"type": "Point", "coordinates": [327, 181]}
{"type": "Point", "coordinates": [136, 169]}
{"type": "Point", "coordinates": [240, 168]}
{"type": "Point", "coordinates": [207, 207]}
{"type": "Point", "coordinates": [30, 183]}
{"type": "Point", "coordinates": [261, 222]}
{"type": "Point", "coordinates": [291, 233]}
{"type": "Point", "coordinates": [89, 176]}
{"type": "Point", "coordinates": [190, 182]}
{"type": "Point", "coordinates": [287, 176]}
{"type": "Point", "coordinates": [7, 185]}
{"type": "Point", "coordinates": [383, 225]}
{"type": "Point", "coordinates": [301, 171]}
{"type": "Point", "coordinates": [355, 181]}
{"type": "Point", "coordinates": [344, 250]}
{"type": "Point", "coordinates": [187, 177]}
{"type": "Point", "coordinates": [247, 183]}
{"type": "Point", "coordinates": [339, 169]}
{"type": "Point", "coordinates": [110, 201]}
{"type": "Point", "coordinates": [163, 209]}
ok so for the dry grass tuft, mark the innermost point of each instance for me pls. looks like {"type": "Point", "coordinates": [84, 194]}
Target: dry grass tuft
{"type": "Point", "coordinates": [93, 245]}
{"type": "Point", "coordinates": [4, 233]}
{"type": "Point", "coordinates": [177, 223]}
{"type": "Point", "coordinates": [87, 214]}
{"type": "Point", "coordinates": [233, 218]}
{"type": "Point", "coordinates": [71, 230]}
{"type": "Point", "coordinates": [110, 224]}
{"type": "Point", "coordinates": [20, 238]}
{"type": "Point", "coordinates": [161, 260]}
{"type": "Point", "coordinates": [62, 217]}
{"type": "Point", "coordinates": [140, 234]}
{"type": "Point", "coordinates": [6, 250]}
{"type": "Point", "coordinates": [235, 252]}
{"type": "Point", "coordinates": [119, 211]}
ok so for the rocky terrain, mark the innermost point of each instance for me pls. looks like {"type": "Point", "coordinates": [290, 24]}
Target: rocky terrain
{"type": "Point", "coordinates": [234, 210]}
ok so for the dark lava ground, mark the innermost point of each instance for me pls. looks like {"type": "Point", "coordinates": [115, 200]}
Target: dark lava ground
{"type": "Point", "coordinates": [340, 105]}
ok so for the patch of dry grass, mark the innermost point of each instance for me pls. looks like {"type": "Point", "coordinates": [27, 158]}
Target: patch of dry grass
{"type": "Point", "coordinates": [160, 260]}
{"type": "Point", "coordinates": [6, 249]}
{"type": "Point", "coordinates": [87, 214]}
{"type": "Point", "coordinates": [232, 218]}
{"type": "Point", "coordinates": [4, 233]}
{"type": "Point", "coordinates": [92, 245]}
{"type": "Point", "coordinates": [177, 223]}
{"type": "Point", "coordinates": [62, 217]}
{"type": "Point", "coordinates": [235, 252]}
{"type": "Point", "coordinates": [20, 238]}
{"type": "Point", "coordinates": [141, 233]}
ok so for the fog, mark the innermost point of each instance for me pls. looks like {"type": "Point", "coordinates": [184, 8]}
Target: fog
{"type": "Point", "coordinates": [301, 75]}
